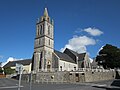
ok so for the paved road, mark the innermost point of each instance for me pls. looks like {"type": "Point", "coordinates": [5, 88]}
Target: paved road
{"type": "Point", "coordinates": [10, 84]}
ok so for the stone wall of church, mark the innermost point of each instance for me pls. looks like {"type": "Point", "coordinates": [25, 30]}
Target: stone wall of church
{"type": "Point", "coordinates": [87, 61]}
{"type": "Point", "coordinates": [67, 66]}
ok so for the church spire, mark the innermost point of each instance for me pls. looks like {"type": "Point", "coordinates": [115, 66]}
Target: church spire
{"type": "Point", "coordinates": [45, 13]}
{"type": "Point", "coordinates": [45, 17]}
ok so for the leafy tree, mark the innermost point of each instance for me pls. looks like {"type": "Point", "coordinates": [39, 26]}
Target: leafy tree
{"type": "Point", "coordinates": [9, 70]}
{"type": "Point", "coordinates": [109, 57]}
{"type": "Point", "coordinates": [1, 71]}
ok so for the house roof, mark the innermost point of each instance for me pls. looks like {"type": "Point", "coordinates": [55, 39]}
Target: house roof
{"type": "Point", "coordinates": [73, 52]}
{"type": "Point", "coordinates": [13, 63]}
{"type": "Point", "coordinates": [81, 56]}
{"type": "Point", "coordinates": [64, 56]}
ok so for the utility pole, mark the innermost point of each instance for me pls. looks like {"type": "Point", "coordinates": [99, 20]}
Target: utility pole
{"type": "Point", "coordinates": [19, 68]}
{"type": "Point", "coordinates": [31, 80]}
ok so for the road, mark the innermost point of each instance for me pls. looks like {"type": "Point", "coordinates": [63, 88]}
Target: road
{"type": "Point", "coordinates": [10, 84]}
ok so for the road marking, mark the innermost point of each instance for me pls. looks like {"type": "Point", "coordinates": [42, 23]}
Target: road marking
{"type": "Point", "coordinates": [10, 87]}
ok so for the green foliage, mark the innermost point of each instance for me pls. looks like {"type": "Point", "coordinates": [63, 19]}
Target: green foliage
{"type": "Point", "coordinates": [1, 71]}
{"type": "Point", "coordinates": [109, 57]}
{"type": "Point", "coordinates": [9, 70]}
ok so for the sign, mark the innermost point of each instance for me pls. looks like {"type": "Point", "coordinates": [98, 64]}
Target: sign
{"type": "Point", "coordinates": [19, 68]}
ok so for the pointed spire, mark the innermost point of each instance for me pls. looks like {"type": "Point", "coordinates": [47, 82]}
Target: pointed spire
{"type": "Point", "coordinates": [45, 12]}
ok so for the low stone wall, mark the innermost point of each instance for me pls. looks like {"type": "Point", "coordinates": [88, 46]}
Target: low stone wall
{"type": "Point", "coordinates": [91, 76]}
{"type": "Point", "coordinates": [70, 77]}
{"type": "Point", "coordinates": [27, 77]}
{"type": "Point", "coordinates": [77, 77]}
{"type": "Point", "coordinates": [52, 77]}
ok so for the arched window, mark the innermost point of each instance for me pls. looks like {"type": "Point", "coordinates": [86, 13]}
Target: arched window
{"type": "Point", "coordinates": [41, 30]}
{"type": "Point", "coordinates": [38, 30]}
{"type": "Point", "coordinates": [39, 41]}
{"type": "Point", "coordinates": [49, 41]}
{"type": "Point", "coordinates": [48, 30]}
{"type": "Point", "coordinates": [60, 68]}
{"type": "Point", "coordinates": [40, 62]}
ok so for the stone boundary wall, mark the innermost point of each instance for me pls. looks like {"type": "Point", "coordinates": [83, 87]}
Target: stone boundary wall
{"type": "Point", "coordinates": [91, 76]}
{"type": "Point", "coordinates": [70, 77]}
{"type": "Point", "coordinates": [52, 77]}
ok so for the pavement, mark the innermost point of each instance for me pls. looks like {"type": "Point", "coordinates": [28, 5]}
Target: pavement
{"type": "Point", "coordinates": [11, 84]}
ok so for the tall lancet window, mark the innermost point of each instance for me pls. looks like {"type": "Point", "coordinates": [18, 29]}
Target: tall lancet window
{"type": "Point", "coordinates": [40, 63]}
{"type": "Point", "coordinates": [48, 30]}
{"type": "Point", "coordinates": [38, 30]}
{"type": "Point", "coordinates": [49, 41]}
{"type": "Point", "coordinates": [41, 30]}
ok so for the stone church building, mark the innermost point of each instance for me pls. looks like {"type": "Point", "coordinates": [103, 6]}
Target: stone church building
{"type": "Point", "coordinates": [46, 58]}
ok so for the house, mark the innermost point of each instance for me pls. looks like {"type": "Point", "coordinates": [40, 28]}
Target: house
{"type": "Point", "coordinates": [26, 65]}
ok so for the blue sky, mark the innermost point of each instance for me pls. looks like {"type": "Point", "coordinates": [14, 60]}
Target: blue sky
{"type": "Point", "coordinates": [75, 23]}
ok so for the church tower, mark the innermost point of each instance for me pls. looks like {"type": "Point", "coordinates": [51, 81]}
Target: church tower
{"type": "Point", "coordinates": [44, 43]}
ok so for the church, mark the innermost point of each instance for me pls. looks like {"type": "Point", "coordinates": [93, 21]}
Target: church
{"type": "Point", "coordinates": [46, 58]}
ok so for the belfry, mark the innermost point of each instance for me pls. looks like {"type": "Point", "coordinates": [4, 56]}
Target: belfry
{"type": "Point", "coordinates": [44, 43]}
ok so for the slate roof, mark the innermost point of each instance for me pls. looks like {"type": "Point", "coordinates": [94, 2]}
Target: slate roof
{"type": "Point", "coordinates": [13, 63]}
{"type": "Point", "coordinates": [64, 56]}
{"type": "Point", "coordinates": [75, 53]}
{"type": "Point", "coordinates": [81, 56]}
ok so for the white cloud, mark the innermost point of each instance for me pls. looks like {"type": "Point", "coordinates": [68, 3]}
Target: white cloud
{"type": "Point", "coordinates": [10, 59]}
{"type": "Point", "coordinates": [79, 43]}
{"type": "Point", "coordinates": [93, 31]}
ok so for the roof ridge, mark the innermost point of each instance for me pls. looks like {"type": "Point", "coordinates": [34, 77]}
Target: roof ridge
{"type": "Point", "coordinates": [72, 51]}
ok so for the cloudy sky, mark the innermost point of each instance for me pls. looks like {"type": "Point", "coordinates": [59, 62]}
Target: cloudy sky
{"type": "Point", "coordinates": [81, 25]}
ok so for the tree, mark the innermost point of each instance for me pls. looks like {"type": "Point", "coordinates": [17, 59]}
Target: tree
{"type": "Point", "coordinates": [9, 70]}
{"type": "Point", "coordinates": [109, 57]}
{"type": "Point", "coordinates": [1, 71]}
